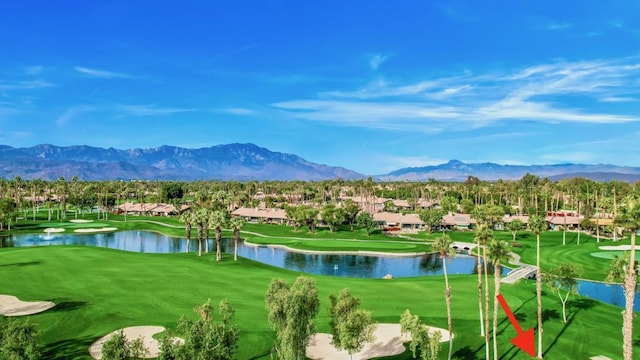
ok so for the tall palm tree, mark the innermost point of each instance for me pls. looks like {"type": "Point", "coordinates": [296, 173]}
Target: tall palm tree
{"type": "Point", "coordinates": [218, 219]}
{"type": "Point", "coordinates": [187, 218]}
{"type": "Point", "coordinates": [537, 224]}
{"type": "Point", "coordinates": [483, 235]}
{"type": "Point", "coordinates": [629, 218]}
{"type": "Point", "coordinates": [236, 224]}
{"type": "Point", "coordinates": [200, 219]}
{"type": "Point", "coordinates": [443, 246]}
{"type": "Point", "coordinates": [499, 251]}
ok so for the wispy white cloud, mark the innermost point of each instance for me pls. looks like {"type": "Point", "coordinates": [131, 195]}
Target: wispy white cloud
{"type": "Point", "coordinates": [25, 85]}
{"type": "Point", "coordinates": [71, 113]}
{"type": "Point", "coordinates": [236, 111]}
{"type": "Point", "coordinates": [377, 60]}
{"type": "Point", "coordinates": [101, 73]}
{"type": "Point", "coordinates": [617, 99]}
{"type": "Point", "coordinates": [558, 92]}
{"type": "Point", "coordinates": [616, 23]}
{"type": "Point", "coordinates": [558, 26]}
{"type": "Point", "coordinates": [151, 110]}
{"type": "Point", "coordinates": [33, 70]}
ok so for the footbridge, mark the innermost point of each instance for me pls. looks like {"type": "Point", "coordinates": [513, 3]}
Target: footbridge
{"type": "Point", "coordinates": [523, 272]}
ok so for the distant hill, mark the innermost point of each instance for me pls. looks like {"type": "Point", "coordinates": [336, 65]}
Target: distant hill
{"type": "Point", "coordinates": [222, 162]}
{"type": "Point", "coordinates": [456, 170]}
{"type": "Point", "coordinates": [251, 162]}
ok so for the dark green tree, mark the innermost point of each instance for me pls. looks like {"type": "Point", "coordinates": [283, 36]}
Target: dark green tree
{"type": "Point", "coordinates": [18, 340]}
{"type": "Point", "coordinates": [365, 221]}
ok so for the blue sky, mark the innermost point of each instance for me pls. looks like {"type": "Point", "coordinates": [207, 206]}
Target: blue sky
{"type": "Point", "coordinates": [369, 85]}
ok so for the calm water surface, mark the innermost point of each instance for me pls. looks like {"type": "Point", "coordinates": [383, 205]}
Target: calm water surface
{"type": "Point", "coordinates": [323, 264]}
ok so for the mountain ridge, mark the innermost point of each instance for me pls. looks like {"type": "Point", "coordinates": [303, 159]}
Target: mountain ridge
{"type": "Point", "coordinates": [247, 161]}
{"type": "Point", "coordinates": [220, 162]}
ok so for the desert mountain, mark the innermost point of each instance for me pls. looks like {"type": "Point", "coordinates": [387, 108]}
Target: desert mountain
{"type": "Point", "coordinates": [456, 170]}
{"type": "Point", "coordinates": [222, 162]}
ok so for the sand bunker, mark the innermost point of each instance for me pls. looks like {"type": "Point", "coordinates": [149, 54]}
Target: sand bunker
{"type": "Point", "coordinates": [93, 230]}
{"type": "Point", "coordinates": [53, 230]}
{"type": "Point", "coordinates": [80, 221]}
{"type": "Point", "coordinates": [12, 306]}
{"type": "Point", "coordinates": [618, 247]}
{"type": "Point", "coordinates": [388, 341]}
{"type": "Point", "coordinates": [133, 333]}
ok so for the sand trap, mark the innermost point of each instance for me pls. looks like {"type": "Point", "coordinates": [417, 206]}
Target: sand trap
{"type": "Point", "coordinates": [618, 247]}
{"type": "Point", "coordinates": [600, 357]}
{"type": "Point", "coordinates": [132, 333]}
{"type": "Point", "coordinates": [80, 221]}
{"type": "Point", "coordinates": [12, 306]}
{"type": "Point", "coordinates": [93, 230]}
{"type": "Point", "coordinates": [54, 230]}
{"type": "Point", "coordinates": [388, 341]}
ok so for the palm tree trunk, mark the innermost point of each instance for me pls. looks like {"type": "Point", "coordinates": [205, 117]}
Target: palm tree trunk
{"type": "Point", "coordinates": [630, 284]}
{"type": "Point", "coordinates": [188, 230]}
{"type": "Point", "coordinates": [479, 268]}
{"type": "Point", "coordinates": [447, 298]}
{"type": "Point", "coordinates": [486, 301]}
{"type": "Point", "coordinates": [496, 290]}
{"type": "Point", "coordinates": [236, 234]}
{"type": "Point", "coordinates": [206, 239]}
{"type": "Point", "coordinates": [199, 239]}
{"type": "Point", "coordinates": [539, 295]}
{"type": "Point", "coordinates": [218, 254]}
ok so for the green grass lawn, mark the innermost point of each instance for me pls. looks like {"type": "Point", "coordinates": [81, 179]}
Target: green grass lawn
{"type": "Point", "coordinates": [100, 290]}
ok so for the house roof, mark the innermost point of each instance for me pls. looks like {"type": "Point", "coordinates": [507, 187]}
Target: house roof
{"type": "Point", "coordinates": [454, 219]}
{"type": "Point", "coordinates": [260, 213]}
{"type": "Point", "coordinates": [562, 220]}
{"type": "Point", "coordinates": [401, 203]}
{"type": "Point", "coordinates": [394, 218]}
{"type": "Point", "coordinates": [151, 207]}
{"type": "Point", "coordinates": [509, 218]}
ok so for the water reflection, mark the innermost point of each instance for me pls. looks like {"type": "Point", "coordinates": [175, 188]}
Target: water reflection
{"type": "Point", "coordinates": [324, 264]}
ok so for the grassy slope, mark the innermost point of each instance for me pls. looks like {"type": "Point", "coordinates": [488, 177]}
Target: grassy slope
{"type": "Point", "coordinates": [99, 290]}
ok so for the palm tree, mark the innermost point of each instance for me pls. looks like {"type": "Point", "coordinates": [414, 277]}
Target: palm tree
{"type": "Point", "coordinates": [443, 245]}
{"type": "Point", "coordinates": [498, 252]}
{"type": "Point", "coordinates": [187, 218]}
{"type": "Point", "coordinates": [236, 224]}
{"type": "Point", "coordinates": [200, 219]}
{"type": "Point", "coordinates": [537, 225]}
{"type": "Point", "coordinates": [218, 219]}
{"type": "Point", "coordinates": [483, 234]}
{"type": "Point", "coordinates": [629, 218]}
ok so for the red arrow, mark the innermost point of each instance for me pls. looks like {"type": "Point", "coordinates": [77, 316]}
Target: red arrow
{"type": "Point", "coordinates": [524, 340]}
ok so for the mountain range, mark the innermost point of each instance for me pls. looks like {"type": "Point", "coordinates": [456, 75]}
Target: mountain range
{"type": "Point", "coordinates": [251, 162]}
{"type": "Point", "coordinates": [222, 162]}
{"type": "Point", "coordinates": [456, 170]}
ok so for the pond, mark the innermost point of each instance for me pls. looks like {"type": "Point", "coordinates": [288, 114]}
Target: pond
{"type": "Point", "coordinates": [323, 264]}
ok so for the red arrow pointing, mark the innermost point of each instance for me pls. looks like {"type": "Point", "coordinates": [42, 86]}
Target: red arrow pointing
{"type": "Point", "coordinates": [524, 340]}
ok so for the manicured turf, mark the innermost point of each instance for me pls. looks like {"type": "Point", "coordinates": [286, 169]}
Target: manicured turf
{"type": "Point", "coordinates": [343, 245]}
{"type": "Point", "coordinates": [99, 290]}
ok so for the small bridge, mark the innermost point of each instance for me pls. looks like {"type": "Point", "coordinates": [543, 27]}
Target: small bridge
{"type": "Point", "coordinates": [523, 272]}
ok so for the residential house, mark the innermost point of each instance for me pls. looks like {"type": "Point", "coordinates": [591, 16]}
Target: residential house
{"type": "Point", "coordinates": [271, 216]}
{"type": "Point", "coordinates": [558, 219]}
{"type": "Point", "coordinates": [155, 209]}
{"type": "Point", "coordinates": [455, 221]}
{"type": "Point", "coordinates": [396, 222]}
